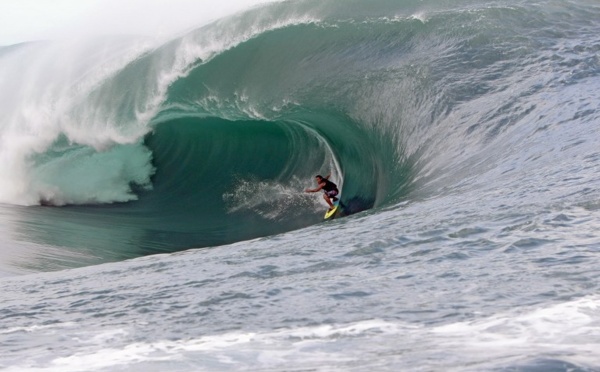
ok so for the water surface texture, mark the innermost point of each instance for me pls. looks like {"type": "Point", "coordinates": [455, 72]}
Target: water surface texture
{"type": "Point", "coordinates": [152, 208]}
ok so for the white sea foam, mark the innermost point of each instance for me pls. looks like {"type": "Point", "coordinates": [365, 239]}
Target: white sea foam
{"type": "Point", "coordinates": [566, 331]}
{"type": "Point", "coordinates": [38, 97]}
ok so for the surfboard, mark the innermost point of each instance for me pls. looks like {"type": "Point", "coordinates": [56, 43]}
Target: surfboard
{"type": "Point", "coordinates": [332, 211]}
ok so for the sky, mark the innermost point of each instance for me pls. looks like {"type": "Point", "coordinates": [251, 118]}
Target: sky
{"type": "Point", "coordinates": [29, 20]}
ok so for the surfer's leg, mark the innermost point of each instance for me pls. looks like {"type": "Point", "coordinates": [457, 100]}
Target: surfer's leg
{"type": "Point", "coordinates": [326, 197]}
{"type": "Point", "coordinates": [333, 195]}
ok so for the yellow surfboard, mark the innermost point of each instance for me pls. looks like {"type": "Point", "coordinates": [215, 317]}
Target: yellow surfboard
{"type": "Point", "coordinates": [331, 212]}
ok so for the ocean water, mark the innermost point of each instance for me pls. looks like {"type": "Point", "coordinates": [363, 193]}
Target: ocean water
{"type": "Point", "coordinates": [152, 208]}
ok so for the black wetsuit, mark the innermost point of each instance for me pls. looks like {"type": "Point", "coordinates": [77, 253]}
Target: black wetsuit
{"type": "Point", "coordinates": [330, 188]}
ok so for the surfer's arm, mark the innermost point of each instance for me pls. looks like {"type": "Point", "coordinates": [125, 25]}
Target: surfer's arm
{"type": "Point", "coordinates": [314, 190]}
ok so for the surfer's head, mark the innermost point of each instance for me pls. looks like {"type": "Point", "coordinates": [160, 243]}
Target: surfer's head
{"type": "Point", "coordinates": [319, 178]}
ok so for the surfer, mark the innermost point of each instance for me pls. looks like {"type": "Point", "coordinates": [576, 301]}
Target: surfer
{"type": "Point", "coordinates": [330, 190]}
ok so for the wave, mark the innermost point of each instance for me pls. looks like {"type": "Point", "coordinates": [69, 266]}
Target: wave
{"type": "Point", "coordinates": [211, 137]}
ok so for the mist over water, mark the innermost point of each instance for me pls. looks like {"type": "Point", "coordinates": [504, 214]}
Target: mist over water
{"type": "Point", "coordinates": [168, 176]}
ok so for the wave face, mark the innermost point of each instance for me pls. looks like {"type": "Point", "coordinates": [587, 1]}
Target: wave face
{"type": "Point", "coordinates": [211, 137]}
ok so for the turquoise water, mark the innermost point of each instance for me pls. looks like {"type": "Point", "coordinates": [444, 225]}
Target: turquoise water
{"type": "Point", "coordinates": [153, 213]}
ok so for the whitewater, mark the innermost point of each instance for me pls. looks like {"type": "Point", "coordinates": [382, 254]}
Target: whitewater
{"type": "Point", "coordinates": [153, 215]}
